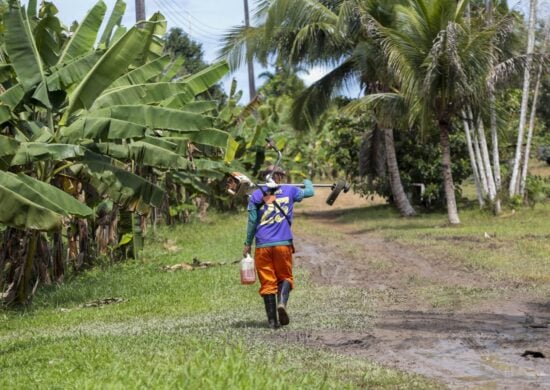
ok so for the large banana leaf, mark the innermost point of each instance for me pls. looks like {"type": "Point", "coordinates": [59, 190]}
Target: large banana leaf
{"type": "Point", "coordinates": [144, 153]}
{"type": "Point", "coordinates": [210, 137]}
{"type": "Point", "coordinates": [114, 20]}
{"type": "Point", "coordinates": [201, 81]}
{"type": "Point", "coordinates": [150, 93]}
{"type": "Point", "coordinates": [102, 129]}
{"type": "Point", "coordinates": [31, 9]}
{"type": "Point", "coordinates": [155, 117]}
{"type": "Point", "coordinates": [8, 146]}
{"type": "Point", "coordinates": [191, 180]}
{"type": "Point", "coordinates": [71, 72]}
{"type": "Point", "coordinates": [21, 48]}
{"type": "Point", "coordinates": [64, 203]}
{"type": "Point", "coordinates": [173, 69]}
{"type": "Point", "coordinates": [84, 37]}
{"type": "Point", "coordinates": [154, 47]}
{"type": "Point", "coordinates": [48, 37]}
{"type": "Point", "coordinates": [13, 96]}
{"type": "Point", "coordinates": [163, 143]}
{"type": "Point", "coordinates": [28, 203]}
{"type": "Point", "coordinates": [142, 74]}
{"type": "Point", "coordinates": [5, 114]}
{"type": "Point", "coordinates": [37, 151]}
{"type": "Point", "coordinates": [123, 187]}
{"type": "Point", "coordinates": [198, 107]}
{"type": "Point", "coordinates": [158, 92]}
{"type": "Point", "coordinates": [110, 66]}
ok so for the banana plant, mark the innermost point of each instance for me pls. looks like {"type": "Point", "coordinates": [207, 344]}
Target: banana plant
{"type": "Point", "coordinates": [82, 119]}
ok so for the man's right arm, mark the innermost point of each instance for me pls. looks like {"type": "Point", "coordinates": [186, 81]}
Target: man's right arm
{"type": "Point", "coordinates": [250, 228]}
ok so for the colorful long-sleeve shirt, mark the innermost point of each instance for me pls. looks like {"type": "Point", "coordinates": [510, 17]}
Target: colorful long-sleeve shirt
{"type": "Point", "coordinates": [266, 222]}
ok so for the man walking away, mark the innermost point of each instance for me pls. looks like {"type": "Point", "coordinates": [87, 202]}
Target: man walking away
{"type": "Point", "coordinates": [270, 212]}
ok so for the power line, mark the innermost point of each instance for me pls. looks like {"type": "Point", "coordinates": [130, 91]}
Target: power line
{"type": "Point", "coordinates": [188, 26]}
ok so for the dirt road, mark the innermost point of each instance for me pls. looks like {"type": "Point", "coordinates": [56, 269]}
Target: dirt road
{"type": "Point", "coordinates": [480, 346]}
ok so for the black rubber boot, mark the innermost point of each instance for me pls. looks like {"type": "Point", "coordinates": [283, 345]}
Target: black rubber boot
{"type": "Point", "coordinates": [271, 310]}
{"type": "Point", "coordinates": [284, 291]}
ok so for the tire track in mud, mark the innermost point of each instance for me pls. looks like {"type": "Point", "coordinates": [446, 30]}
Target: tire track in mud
{"type": "Point", "coordinates": [474, 347]}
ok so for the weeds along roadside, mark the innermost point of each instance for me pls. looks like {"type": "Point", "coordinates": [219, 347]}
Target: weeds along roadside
{"type": "Point", "coordinates": [198, 329]}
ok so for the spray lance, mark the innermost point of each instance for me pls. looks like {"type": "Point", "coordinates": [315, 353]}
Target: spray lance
{"type": "Point", "coordinates": [239, 184]}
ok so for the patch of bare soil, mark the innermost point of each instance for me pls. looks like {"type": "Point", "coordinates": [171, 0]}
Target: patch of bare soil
{"type": "Point", "coordinates": [499, 343]}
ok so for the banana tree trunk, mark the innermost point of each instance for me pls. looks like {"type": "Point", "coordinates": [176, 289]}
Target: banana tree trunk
{"type": "Point", "coordinates": [452, 211]}
{"type": "Point", "coordinates": [24, 279]}
{"type": "Point", "coordinates": [130, 225]}
{"type": "Point", "coordinates": [58, 265]}
{"type": "Point", "coordinates": [401, 201]}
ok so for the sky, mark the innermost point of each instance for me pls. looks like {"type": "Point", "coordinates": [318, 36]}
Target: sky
{"type": "Point", "coordinates": [204, 20]}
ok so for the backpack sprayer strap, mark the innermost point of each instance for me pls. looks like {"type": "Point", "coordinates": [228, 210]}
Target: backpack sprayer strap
{"type": "Point", "coordinates": [277, 206]}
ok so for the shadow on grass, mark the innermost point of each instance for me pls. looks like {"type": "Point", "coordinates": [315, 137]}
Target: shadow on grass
{"type": "Point", "coordinates": [250, 324]}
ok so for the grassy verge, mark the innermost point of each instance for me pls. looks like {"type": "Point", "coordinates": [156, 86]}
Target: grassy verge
{"type": "Point", "coordinates": [182, 329]}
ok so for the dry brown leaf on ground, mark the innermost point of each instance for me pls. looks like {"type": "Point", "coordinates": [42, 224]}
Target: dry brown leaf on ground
{"type": "Point", "coordinates": [170, 246]}
{"type": "Point", "coordinates": [176, 267]}
{"type": "Point", "coordinates": [103, 302]}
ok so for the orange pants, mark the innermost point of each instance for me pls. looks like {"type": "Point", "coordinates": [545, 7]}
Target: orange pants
{"type": "Point", "coordinates": [273, 264]}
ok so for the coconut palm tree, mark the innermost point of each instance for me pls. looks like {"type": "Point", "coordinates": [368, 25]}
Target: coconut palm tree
{"type": "Point", "coordinates": [328, 33]}
{"type": "Point", "coordinates": [441, 64]}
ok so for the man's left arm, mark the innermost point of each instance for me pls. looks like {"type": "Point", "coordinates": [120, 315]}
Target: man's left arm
{"type": "Point", "coordinates": [307, 192]}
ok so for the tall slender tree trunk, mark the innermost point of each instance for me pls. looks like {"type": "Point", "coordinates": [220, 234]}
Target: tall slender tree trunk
{"type": "Point", "coordinates": [401, 201]}
{"type": "Point", "coordinates": [452, 211]}
{"type": "Point", "coordinates": [473, 162]}
{"type": "Point", "coordinates": [513, 189]}
{"type": "Point", "coordinates": [479, 161]}
{"type": "Point", "coordinates": [532, 121]}
{"type": "Point", "coordinates": [497, 209]}
{"type": "Point", "coordinates": [250, 60]}
{"type": "Point", "coordinates": [486, 161]}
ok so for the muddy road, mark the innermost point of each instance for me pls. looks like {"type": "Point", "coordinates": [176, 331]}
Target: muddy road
{"type": "Point", "coordinates": [494, 343]}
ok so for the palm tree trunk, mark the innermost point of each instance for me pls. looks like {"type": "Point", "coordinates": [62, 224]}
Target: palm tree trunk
{"type": "Point", "coordinates": [532, 122]}
{"type": "Point", "coordinates": [473, 162]}
{"type": "Point", "coordinates": [480, 165]}
{"type": "Point", "coordinates": [513, 189]}
{"type": "Point", "coordinates": [401, 201]}
{"type": "Point", "coordinates": [493, 122]}
{"type": "Point", "coordinates": [486, 162]}
{"type": "Point", "coordinates": [452, 211]}
{"type": "Point", "coordinates": [496, 157]}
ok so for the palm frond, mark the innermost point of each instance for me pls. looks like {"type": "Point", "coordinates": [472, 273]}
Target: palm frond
{"type": "Point", "coordinates": [315, 99]}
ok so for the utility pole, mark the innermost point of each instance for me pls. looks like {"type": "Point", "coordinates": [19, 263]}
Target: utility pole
{"type": "Point", "coordinates": [140, 10]}
{"type": "Point", "coordinates": [251, 82]}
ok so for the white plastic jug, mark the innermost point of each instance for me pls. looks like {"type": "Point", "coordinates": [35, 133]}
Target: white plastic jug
{"type": "Point", "coordinates": [248, 272]}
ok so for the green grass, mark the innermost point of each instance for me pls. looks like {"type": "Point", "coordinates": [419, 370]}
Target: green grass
{"type": "Point", "coordinates": [184, 329]}
{"type": "Point", "coordinates": [513, 246]}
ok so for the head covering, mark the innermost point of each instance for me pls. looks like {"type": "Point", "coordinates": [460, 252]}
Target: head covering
{"type": "Point", "coordinates": [272, 169]}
